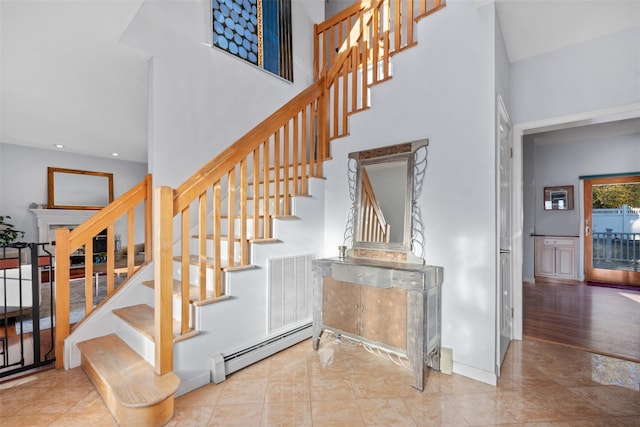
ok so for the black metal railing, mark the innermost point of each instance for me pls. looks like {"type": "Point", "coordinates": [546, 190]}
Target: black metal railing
{"type": "Point", "coordinates": [26, 307]}
{"type": "Point", "coordinates": [620, 251]}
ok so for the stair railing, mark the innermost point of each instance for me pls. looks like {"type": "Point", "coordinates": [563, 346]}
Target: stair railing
{"type": "Point", "coordinates": [355, 47]}
{"type": "Point", "coordinates": [67, 242]}
{"type": "Point", "coordinates": [265, 167]}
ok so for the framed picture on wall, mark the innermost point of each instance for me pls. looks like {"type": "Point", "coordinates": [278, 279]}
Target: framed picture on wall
{"type": "Point", "coordinates": [558, 198]}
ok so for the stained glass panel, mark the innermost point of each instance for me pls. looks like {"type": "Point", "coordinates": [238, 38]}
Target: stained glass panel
{"type": "Point", "coordinates": [258, 31]}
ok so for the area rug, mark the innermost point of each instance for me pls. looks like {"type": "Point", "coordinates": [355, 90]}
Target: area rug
{"type": "Point", "coordinates": [76, 305]}
{"type": "Point", "coordinates": [26, 326]}
{"type": "Point", "coordinates": [615, 286]}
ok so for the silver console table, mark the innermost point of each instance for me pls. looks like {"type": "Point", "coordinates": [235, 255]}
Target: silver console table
{"type": "Point", "coordinates": [391, 305]}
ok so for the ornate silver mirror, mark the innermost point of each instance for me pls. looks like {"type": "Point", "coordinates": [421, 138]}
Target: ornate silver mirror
{"type": "Point", "coordinates": [385, 221]}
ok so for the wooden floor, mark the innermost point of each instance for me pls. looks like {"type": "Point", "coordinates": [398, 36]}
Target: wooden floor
{"type": "Point", "coordinates": [596, 319]}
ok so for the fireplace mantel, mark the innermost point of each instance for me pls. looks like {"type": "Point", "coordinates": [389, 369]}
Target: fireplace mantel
{"type": "Point", "coordinates": [50, 219]}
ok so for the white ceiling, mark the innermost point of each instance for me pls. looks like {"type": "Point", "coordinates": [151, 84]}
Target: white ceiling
{"type": "Point", "coordinates": [66, 79]}
{"type": "Point", "coordinates": [532, 27]}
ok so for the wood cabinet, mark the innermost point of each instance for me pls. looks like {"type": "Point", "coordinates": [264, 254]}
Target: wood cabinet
{"type": "Point", "coordinates": [373, 313]}
{"type": "Point", "coordinates": [390, 305]}
{"type": "Point", "coordinates": [556, 257]}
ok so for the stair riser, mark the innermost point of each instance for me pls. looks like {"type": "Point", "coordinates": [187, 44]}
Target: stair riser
{"type": "Point", "coordinates": [224, 245]}
{"type": "Point", "coordinates": [224, 230]}
{"type": "Point", "coordinates": [194, 276]}
{"type": "Point", "coordinates": [250, 211]}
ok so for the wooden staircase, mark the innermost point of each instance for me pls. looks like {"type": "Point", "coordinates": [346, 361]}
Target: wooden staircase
{"type": "Point", "coordinates": [234, 199]}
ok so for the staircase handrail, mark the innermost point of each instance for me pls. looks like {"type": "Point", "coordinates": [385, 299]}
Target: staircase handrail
{"type": "Point", "coordinates": [216, 168]}
{"type": "Point", "coordinates": [69, 241]}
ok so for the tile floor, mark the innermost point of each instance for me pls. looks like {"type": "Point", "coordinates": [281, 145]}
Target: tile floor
{"type": "Point", "coordinates": [341, 385]}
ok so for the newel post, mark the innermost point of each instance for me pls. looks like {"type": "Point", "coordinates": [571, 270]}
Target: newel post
{"type": "Point", "coordinates": [62, 293]}
{"type": "Point", "coordinates": [163, 277]}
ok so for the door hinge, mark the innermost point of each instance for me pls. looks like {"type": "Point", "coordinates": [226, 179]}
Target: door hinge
{"type": "Point", "coordinates": [512, 312]}
{"type": "Point", "coordinates": [511, 153]}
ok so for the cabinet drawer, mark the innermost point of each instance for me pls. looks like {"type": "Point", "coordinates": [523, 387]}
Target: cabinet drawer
{"type": "Point", "coordinates": [568, 242]}
{"type": "Point", "coordinates": [378, 277]}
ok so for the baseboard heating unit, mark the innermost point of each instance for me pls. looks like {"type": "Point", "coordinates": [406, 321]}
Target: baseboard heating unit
{"type": "Point", "coordinates": [223, 365]}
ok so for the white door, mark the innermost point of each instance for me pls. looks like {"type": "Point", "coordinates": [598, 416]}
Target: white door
{"type": "Point", "coordinates": [505, 303]}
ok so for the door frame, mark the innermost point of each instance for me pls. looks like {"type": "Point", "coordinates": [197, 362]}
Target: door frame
{"type": "Point", "coordinates": [598, 274]}
{"type": "Point", "coordinates": [623, 112]}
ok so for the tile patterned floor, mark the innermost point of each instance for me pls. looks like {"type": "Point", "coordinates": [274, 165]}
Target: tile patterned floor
{"type": "Point", "coordinates": [541, 385]}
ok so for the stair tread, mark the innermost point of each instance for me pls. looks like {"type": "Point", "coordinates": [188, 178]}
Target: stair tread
{"type": "Point", "coordinates": [141, 317]}
{"type": "Point", "coordinates": [129, 377]}
{"type": "Point", "coordinates": [177, 289]}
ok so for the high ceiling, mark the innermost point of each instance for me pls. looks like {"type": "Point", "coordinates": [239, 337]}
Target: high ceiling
{"type": "Point", "coordinates": [66, 79]}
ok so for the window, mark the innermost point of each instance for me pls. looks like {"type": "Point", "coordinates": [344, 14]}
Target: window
{"type": "Point", "coordinates": [258, 31]}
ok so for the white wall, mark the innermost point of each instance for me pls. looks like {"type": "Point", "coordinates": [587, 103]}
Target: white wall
{"type": "Point", "coordinates": [555, 161]}
{"type": "Point", "coordinates": [204, 99]}
{"type": "Point", "coordinates": [442, 89]}
{"type": "Point", "coordinates": [594, 75]}
{"type": "Point", "coordinates": [23, 179]}
{"type": "Point", "coordinates": [591, 76]}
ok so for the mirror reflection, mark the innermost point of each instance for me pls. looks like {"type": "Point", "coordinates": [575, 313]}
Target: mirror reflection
{"type": "Point", "coordinates": [383, 192]}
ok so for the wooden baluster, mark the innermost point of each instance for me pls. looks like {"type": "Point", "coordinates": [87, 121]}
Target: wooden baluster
{"type": "Point", "coordinates": [256, 193]}
{"type": "Point", "coordinates": [231, 210]}
{"type": "Point", "coordinates": [131, 261]}
{"type": "Point", "coordinates": [148, 223]}
{"type": "Point", "coordinates": [217, 263]}
{"type": "Point", "coordinates": [316, 53]}
{"type": "Point", "coordinates": [88, 277]}
{"type": "Point", "coordinates": [276, 173]}
{"type": "Point", "coordinates": [386, 56]}
{"type": "Point", "coordinates": [345, 96]}
{"type": "Point", "coordinates": [303, 151]}
{"type": "Point", "coordinates": [365, 74]}
{"type": "Point", "coordinates": [375, 44]}
{"type": "Point", "coordinates": [409, 22]}
{"type": "Point", "coordinates": [397, 34]}
{"type": "Point", "coordinates": [296, 160]}
{"type": "Point", "coordinates": [110, 259]}
{"type": "Point", "coordinates": [354, 78]}
{"type": "Point", "coordinates": [185, 260]}
{"type": "Point", "coordinates": [332, 45]}
{"type": "Point", "coordinates": [202, 248]}
{"type": "Point", "coordinates": [336, 106]}
{"type": "Point", "coordinates": [244, 247]}
{"type": "Point", "coordinates": [323, 137]}
{"type": "Point", "coordinates": [285, 171]}
{"type": "Point", "coordinates": [266, 221]}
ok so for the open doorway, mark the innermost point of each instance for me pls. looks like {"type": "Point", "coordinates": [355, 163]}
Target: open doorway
{"type": "Point", "coordinates": [522, 254]}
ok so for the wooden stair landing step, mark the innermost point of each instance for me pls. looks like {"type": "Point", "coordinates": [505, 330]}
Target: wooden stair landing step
{"type": "Point", "coordinates": [129, 386]}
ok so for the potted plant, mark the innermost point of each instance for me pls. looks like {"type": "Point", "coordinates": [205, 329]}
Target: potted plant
{"type": "Point", "coordinates": [8, 233]}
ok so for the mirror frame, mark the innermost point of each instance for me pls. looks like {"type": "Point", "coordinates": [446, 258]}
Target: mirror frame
{"type": "Point", "coordinates": [412, 247]}
{"type": "Point", "coordinates": [53, 204]}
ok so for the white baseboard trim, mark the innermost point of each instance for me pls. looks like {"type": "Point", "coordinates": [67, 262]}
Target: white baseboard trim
{"type": "Point", "coordinates": [475, 373]}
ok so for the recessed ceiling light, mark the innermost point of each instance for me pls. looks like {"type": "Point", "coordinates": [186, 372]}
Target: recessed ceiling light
{"type": "Point", "coordinates": [58, 145]}
{"type": "Point", "coordinates": [115, 154]}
